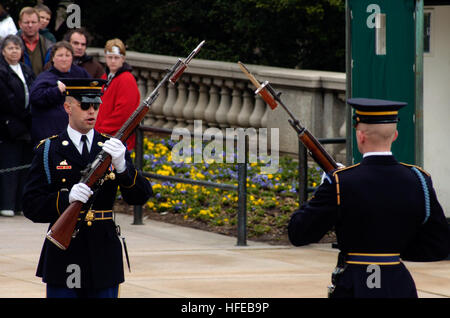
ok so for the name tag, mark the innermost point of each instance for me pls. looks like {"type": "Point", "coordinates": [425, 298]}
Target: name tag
{"type": "Point", "coordinates": [63, 167]}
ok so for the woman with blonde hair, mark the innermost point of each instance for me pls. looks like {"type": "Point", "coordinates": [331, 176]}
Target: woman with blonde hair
{"type": "Point", "coordinates": [121, 95]}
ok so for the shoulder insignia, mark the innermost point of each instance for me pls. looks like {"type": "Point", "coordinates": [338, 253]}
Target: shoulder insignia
{"type": "Point", "coordinates": [43, 140]}
{"type": "Point", "coordinates": [414, 166]}
{"type": "Point", "coordinates": [345, 168]}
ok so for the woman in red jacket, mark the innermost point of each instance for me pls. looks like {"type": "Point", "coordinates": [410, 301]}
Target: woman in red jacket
{"type": "Point", "coordinates": [121, 95]}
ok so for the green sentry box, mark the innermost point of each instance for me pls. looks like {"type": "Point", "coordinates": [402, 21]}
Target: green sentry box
{"type": "Point", "coordinates": [383, 65]}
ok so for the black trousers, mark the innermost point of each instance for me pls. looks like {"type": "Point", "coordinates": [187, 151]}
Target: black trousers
{"type": "Point", "coordinates": [13, 154]}
{"type": "Point", "coordinates": [65, 292]}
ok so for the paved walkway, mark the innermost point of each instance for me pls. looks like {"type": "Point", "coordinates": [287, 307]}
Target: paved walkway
{"type": "Point", "coordinates": [169, 261]}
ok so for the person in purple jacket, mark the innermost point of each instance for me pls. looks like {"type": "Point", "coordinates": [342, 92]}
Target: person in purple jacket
{"type": "Point", "coordinates": [47, 94]}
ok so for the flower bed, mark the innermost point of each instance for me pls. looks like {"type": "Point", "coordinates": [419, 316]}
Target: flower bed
{"type": "Point", "coordinates": [271, 198]}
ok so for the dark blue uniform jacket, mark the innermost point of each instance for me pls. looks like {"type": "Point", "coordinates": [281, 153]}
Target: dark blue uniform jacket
{"type": "Point", "coordinates": [376, 207]}
{"type": "Point", "coordinates": [96, 248]}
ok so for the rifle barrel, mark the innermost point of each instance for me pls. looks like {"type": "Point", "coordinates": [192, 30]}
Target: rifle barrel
{"type": "Point", "coordinates": [194, 52]}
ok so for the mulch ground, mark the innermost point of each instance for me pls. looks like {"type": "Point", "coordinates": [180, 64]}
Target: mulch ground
{"type": "Point", "coordinates": [275, 237]}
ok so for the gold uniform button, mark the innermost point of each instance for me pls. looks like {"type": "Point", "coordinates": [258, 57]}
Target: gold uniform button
{"type": "Point", "coordinates": [63, 180]}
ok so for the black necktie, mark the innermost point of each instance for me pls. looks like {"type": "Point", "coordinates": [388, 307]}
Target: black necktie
{"type": "Point", "coordinates": [85, 152]}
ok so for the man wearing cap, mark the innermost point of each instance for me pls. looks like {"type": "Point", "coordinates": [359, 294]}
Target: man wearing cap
{"type": "Point", "coordinates": [92, 265]}
{"type": "Point", "coordinates": [382, 211]}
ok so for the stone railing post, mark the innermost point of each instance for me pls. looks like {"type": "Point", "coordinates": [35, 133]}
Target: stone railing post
{"type": "Point", "coordinates": [236, 104]}
{"type": "Point", "coordinates": [177, 109]}
{"type": "Point", "coordinates": [258, 112]}
{"type": "Point", "coordinates": [213, 105]}
{"type": "Point", "coordinates": [225, 104]}
{"type": "Point", "coordinates": [168, 106]}
{"type": "Point", "coordinates": [188, 110]}
{"type": "Point", "coordinates": [202, 102]}
{"type": "Point", "coordinates": [150, 119]}
{"type": "Point", "coordinates": [248, 104]}
{"type": "Point", "coordinates": [157, 107]}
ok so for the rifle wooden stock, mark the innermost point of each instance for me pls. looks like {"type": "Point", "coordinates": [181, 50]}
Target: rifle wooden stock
{"type": "Point", "coordinates": [62, 230]}
{"type": "Point", "coordinates": [180, 71]}
{"type": "Point", "coordinates": [317, 152]}
{"type": "Point", "coordinates": [268, 98]}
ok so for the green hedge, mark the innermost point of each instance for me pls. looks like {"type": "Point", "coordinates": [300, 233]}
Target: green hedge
{"type": "Point", "coordinates": [307, 34]}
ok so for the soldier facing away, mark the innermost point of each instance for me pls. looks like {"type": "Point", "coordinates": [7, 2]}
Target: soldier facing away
{"type": "Point", "coordinates": [382, 211]}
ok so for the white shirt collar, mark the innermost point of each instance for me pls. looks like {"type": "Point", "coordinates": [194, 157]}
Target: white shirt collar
{"type": "Point", "coordinates": [377, 153]}
{"type": "Point", "coordinates": [75, 136]}
{"type": "Point", "coordinates": [16, 68]}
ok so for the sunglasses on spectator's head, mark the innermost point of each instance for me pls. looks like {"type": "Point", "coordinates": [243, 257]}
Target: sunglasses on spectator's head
{"type": "Point", "coordinates": [86, 106]}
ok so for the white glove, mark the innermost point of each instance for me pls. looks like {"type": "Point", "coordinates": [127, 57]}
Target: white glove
{"type": "Point", "coordinates": [117, 150]}
{"type": "Point", "coordinates": [80, 192]}
{"type": "Point", "coordinates": [325, 176]}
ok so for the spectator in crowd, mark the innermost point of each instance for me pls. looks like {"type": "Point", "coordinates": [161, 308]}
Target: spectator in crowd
{"type": "Point", "coordinates": [47, 93]}
{"type": "Point", "coordinates": [7, 25]}
{"type": "Point", "coordinates": [45, 14]}
{"type": "Point", "coordinates": [15, 123]}
{"type": "Point", "coordinates": [37, 48]}
{"type": "Point", "coordinates": [121, 95]}
{"type": "Point", "coordinates": [78, 38]}
{"type": "Point", "coordinates": [61, 16]}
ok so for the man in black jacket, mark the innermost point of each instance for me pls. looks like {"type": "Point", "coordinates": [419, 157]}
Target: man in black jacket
{"type": "Point", "coordinates": [382, 210]}
{"type": "Point", "coordinates": [92, 265]}
{"type": "Point", "coordinates": [78, 38]}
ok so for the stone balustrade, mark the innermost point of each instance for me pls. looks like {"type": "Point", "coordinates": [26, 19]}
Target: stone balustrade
{"type": "Point", "coordinates": [221, 96]}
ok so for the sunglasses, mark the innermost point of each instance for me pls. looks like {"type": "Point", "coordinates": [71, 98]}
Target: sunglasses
{"type": "Point", "coordinates": [86, 106]}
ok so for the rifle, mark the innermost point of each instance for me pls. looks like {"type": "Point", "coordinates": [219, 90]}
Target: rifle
{"type": "Point", "coordinates": [62, 230]}
{"type": "Point", "coordinates": [271, 97]}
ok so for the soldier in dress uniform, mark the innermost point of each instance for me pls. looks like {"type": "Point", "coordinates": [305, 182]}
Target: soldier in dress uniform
{"type": "Point", "coordinates": [383, 211]}
{"type": "Point", "coordinates": [92, 265]}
